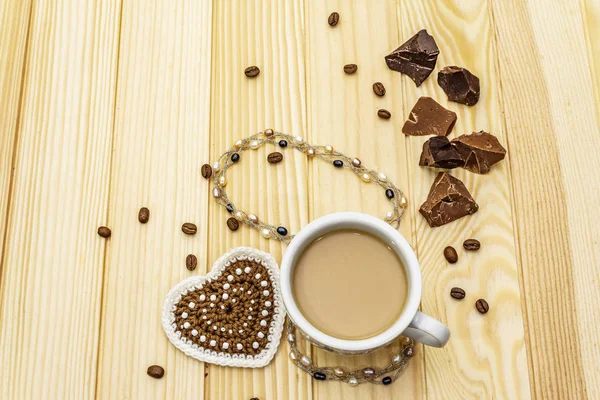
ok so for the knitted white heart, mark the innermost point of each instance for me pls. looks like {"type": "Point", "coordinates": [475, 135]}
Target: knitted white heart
{"type": "Point", "coordinates": [233, 316]}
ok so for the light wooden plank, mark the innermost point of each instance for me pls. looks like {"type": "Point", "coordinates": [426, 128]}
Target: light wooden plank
{"type": "Point", "coordinates": [486, 356]}
{"type": "Point", "coordinates": [270, 35]}
{"type": "Point", "coordinates": [591, 21]}
{"type": "Point", "coordinates": [161, 141]}
{"type": "Point", "coordinates": [342, 111]}
{"type": "Point", "coordinates": [14, 20]}
{"type": "Point", "coordinates": [50, 301]}
{"type": "Point", "coordinates": [551, 123]}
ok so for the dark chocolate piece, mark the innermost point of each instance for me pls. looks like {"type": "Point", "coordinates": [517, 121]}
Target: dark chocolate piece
{"type": "Point", "coordinates": [448, 200]}
{"type": "Point", "coordinates": [439, 152]}
{"type": "Point", "coordinates": [415, 58]}
{"type": "Point", "coordinates": [480, 151]}
{"type": "Point", "coordinates": [459, 84]}
{"type": "Point", "coordinates": [429, 118]}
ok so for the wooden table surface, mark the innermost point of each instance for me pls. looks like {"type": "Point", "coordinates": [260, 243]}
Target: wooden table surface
{"type": "Point", "coordinates": [108, 106]}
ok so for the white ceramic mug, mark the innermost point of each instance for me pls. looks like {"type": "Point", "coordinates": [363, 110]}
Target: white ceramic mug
{"type": "Point", "coordinates": [411, 322]}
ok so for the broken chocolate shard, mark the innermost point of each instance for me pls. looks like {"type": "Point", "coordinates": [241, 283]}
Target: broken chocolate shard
{"type": "Point", "coordinates": [448, 200]}
{"type": "Point", "coordinates": [480, 150]}
{"type": "Point", "coordinates": [459, 84]}
{"type": "Point", "coordinates": [429, 118]}
{"type": "Point", "coordinates": [439, 152]}
{"type": "Point", "coordinates": [416, 57]}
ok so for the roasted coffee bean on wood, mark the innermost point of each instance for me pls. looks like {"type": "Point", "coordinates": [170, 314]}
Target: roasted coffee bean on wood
{"type": "Point", "coordinates": [206, 171]}
{"type": "Point", "coordinates": [233, 224]}
{"type": "Point", "coordinates": [144, 215]}
{"type": "Point", "coordinates": [350, 68]}
{"type": "Point", "coordinates": [156, 371]}
{"type": "Point", "coordinates": [104, 232]}
{"type": "Point", "coordinates": [275, 157]}
{"type": "Point", "coordinates": [482, 306]}
{"type": "Point", "coordinates": [457, 293]}
{"type": "Point", "coordinates": [188, 228]}
{"type": "Point", "coordinates": [379, 89]}
{"type": "Point", "coordinates": [333, 19]}
{"type": "Point", "coordinates": [252, 71]}
{"type": "Point", "coordinates": [471, 244]}
{"type": "Point", "coordinates": [191, 262]}
{"type": "Point", "coordinates": [384, 114]}
{"type": "Point", "coordinates": [450, 254]}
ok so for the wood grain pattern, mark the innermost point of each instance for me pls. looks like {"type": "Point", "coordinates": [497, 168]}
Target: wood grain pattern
{"type": "Point", "coordinates": [52, 275]}
{"type": "Point", "coordinates": [342, 111]}
{"type": "Point", "coordinates": [161, 141]}
{"type": "Point", "coordinates": [486, 356]}
{"type": "Point", "coordinates": [591, 19]}
{"type": "Point", "coordinates": [269, 35]}
{"type": "Point", "coordinates": [560, 270]}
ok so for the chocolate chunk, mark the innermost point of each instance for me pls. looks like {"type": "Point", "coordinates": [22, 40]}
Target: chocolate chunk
{"type": "Point", "coordinates": [415, 58]}
{"type": "Point", "coordinates": [459, 84]}
{"type": "Point", "coordinates": [429, 118]}
{"type": "Point", "coordinates": [439, 152]}
{"type": "Point", "coordinates": [480, 151]}
{"type": "Point", "coordinates": [448, 200]}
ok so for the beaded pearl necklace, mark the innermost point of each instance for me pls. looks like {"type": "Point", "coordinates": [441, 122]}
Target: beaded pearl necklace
{"type": "Point", "coordinates": [327, 153]}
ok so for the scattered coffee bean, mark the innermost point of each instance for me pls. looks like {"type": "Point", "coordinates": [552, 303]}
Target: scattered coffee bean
{"type": "Point", "coordinates": [282, 231]}
{"type": "Point", "coordinates": [206, 171]}
{"type": "Point", "coordinates": [338, 163]}
{"type": "Point", "coordinates": [188, 228]}
{"type": "Point", "coordinates": [450, 255]}
{"type": "Point", "coordinates": [389, 194]}
{"type": "Point", "coordinates": [379, 89]}
{"type": "Point", "coordinates": [471, 244]}
{"type": "Point", "coordinates": [350, 68]}
{"type": "Point", "coordinates": [275, 158]}
{"type": "Point", "coordinates": [235, 157]}
{"type": "Point", "coordinates": [385, 114]}
{"type": "Point", "coordinates": [233, 224]}
{"type": "Point", "coordinates": [156, 371]}
{"type": "Point", "coordinates": [191, 261]}
{"type": "Point", "coordinates": [457, 293]}
{"type": "Point", "coordinates": [319, 376]}
{"type": "Point", "coordinates": [229, 208]}
{"type": "Point", "coordinates": [482, 306]}
{"type": "Point", "coordinates": [104, 232]}
{"type": "Point", "coordinates": [333, 19]}
{"type": "Point", "coordinates": [254, 398]}
{"type": "Point", "coordinates": [386, 380]}
{"type": "Point", "coordinates": [143, 215]}
{"type": "Point", "coordinates": [283, 143]}
{"type": "Point", "coordinates": [252, 71]}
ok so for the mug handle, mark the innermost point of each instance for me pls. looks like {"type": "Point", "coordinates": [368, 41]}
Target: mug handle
{"type": "Point", "coordinates": [427, 330]}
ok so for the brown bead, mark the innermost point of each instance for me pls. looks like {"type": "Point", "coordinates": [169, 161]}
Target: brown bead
{"type": "Point", "coordinates": [191, 262]}
{"type": "Point", "coordinates": [275, 157]}
{"type": "Point", "coordinates": [350, 68]}
{"type": "Point", "coordinates": [450, 254]}
{"type": "Point", "coordinates": [252, 71]}
{"type": "Point", "coordinates": [144, 215]}
{"type": "Point", "coordinates": [206, 171]}
{"type": "Point", "coordinates": [188, 228]}
{"type": "Point", "coordinates": [482, 306]}
{"type": "Point", "coordinates": [156, 371]}
{"type": "Point", "coordinates": [384, 114]}
{"type": "Point", "coordinates": [333, 19]}
{"type": "Point", "coordinates": [457, 293]}
{"type": "Point", "coordinates": [233, 224]}
{"type": "Point", "coordinates": [104, 232]}
{"type": "Point", "coordinates": [471, 244]}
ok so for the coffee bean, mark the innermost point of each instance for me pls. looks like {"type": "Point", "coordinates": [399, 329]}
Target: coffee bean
{"type": "Point", "coordinates": [206, 171]}
{"type": "Point", "coordinates": [233, 224]}
{"type": "Point", "coordinates": [254, 398]}
{"type": "Point", "coordinates": [471, 244]}
{"type": "Point", "coordinates": [482, 306]}
{"type": "Point", "coordinates": [143, 215]}
{"type": "Point", "coordinates": [252, 71]}
{"type": "Point", "coordinates": [156, 371]}
{"type": "Point", "coordinates": [450, 254]}
{"type": "Point", "coordinates": [385, 114]}
{"type": "Point", "coordinates": [188, 228]}
{"type": "Point", "coordinates": [350, 68]}
{"type": "Point", "coordinates": [191, 261]}
{"type": "Point", "coordinates": [333, 19]}
{"type": "Point", "coordinates": [457, 293]}
{"type": "Point", "coordinates": [379, 89]}
{"type": "Point", "coordinates": [104, 232]}
{"type": "Point", "coordinates": [275, 157]}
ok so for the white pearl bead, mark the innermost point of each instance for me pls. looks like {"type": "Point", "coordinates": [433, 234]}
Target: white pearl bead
{"type": "Point", "coordinates": [192, 305]}
{"type": "Point", "coordinates": [238, 144]}
{"type": "Point", "coordinates": [216, 193]}
{"type": "Point", "coordinates": [366, 177]}
{"type": "Point", "coordinates": [194, 332]}
{"type": "Point", "coordinates": [267, 304]}
{"type": "Point", "coordinates": [266, 233]}
{"type": "Point", "coordinates": [249, 316]}
{"type": "Point", "coordinates": [226, 286]}
{"type": "Point", "coordinates": [389, 215]}
{"type": "Point", "coordinates": [293, 356]}
{"type": "Point", "coordinates": [184, 315]}
{"type": "Point", "coordinates": [202, 297]}
{"type": "Point", "coordinates": [213, 297]}
{"type": "Point", "coordinates": [203, 338]}
{"type": "Point", "coordinates": [239, 216]}
{"type": "Point", "coordinates": [216, 167]}
{"type": "Point", "coordinates": [356, 162]}
{"type": "Point", "coordinates": [339, 372]}
{"type": "Point", "coordinates": [247, 270]}
{"type": "Point", "coordinates": [222, 329]}
{"type": "Point", "coordinates": [253, 218]}
{"type": "Point", "coordinates": [266, 293]}
{"type": "Point", "coordinates": [382, 177]}
{"type": "Point", "coordinates": [352, 381]}
{"type": "Point", "coordinates": [291, 338]}
{"type": "Point", "coordinates": [403, 202]}
{"type": "Point", "coordinates": [396, 358]}
{"type": "Point", "coordinates": [368, 371]}
{"type": "Point", "coordinates": [298, 139]}
{"type": "Point", "coordinates": [264, 313]}
{"type": "Point", "coordinates": [225, 296]}
{"type": "Point", "coordinates": [187, 325]}
{"type": "Point", "coordinates": [329, 149]}
{"type": "Point", "coordinates": [257, 276]}
{"type": "Point", "coordinates": [239, 346]}
{"type": "Point", "coordinates": [254, 145]}
{"type": "Point", "coordinates": [263, 323]}
{"type": "Point", "coordinates": [264, 284]}
{"type": "Point", "coordinates": [238, 271]}
{"type": "Point", "coordinates": [255, 345]}
{"type": "Point", "coordinates": [260, 335]}
{"type": "Point", "coordinates": [305, 361]}
{"type": "Point", "coordinates": [213, 343]}
{"type": "Point", "coordinates": [310, 152]}
{"type": "Point", "coordinates": [222, 181]}
{"type": "Point", "coordinates": [225, 346]}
